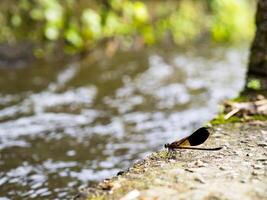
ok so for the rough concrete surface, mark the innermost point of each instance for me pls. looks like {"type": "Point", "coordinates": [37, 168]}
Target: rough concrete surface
{"type": "Point", "coordinates": [238, 171]}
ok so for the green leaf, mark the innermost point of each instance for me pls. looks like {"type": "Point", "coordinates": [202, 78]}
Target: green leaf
{"type": "Point", "coordinates": [16, 20]}
{"type": "Point", "coordinates": [140, 11]}
{"type": "Point", "coordinates": [51, 32]}
{"type": "Point", "coordinates": [74, 38]}
{"type": "Point", "coordinates": [254, 84]}
{"type": "Point", "coordinates": [91, 23]}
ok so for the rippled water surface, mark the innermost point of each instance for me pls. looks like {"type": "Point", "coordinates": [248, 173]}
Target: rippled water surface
{"type": "Point", "coordinates": [63, 126]}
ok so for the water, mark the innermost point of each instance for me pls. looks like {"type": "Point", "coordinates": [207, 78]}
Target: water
{"type": "Point", "coordinates": [66, 125]}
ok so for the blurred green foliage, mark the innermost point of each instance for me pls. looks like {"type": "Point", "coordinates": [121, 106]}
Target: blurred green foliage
{"type": "Point", "coordinates": [81, 25]}
{"type": "Point", "coordinates": [254, 84]}
{"type": "Point", "coordinates": [233, 20]}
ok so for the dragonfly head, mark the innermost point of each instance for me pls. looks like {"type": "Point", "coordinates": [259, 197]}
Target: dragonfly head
{"type": "Point", "coordinates": [167, 145]}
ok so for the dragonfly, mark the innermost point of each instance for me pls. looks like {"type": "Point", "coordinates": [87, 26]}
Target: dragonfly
{"type": "Point", "coordinates": [196, 138]}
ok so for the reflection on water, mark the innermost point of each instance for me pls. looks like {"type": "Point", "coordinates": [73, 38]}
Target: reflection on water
{"type": "Point", "coordinates": [63, 126]}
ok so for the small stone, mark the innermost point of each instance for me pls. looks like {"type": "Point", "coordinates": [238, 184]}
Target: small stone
{"type": "Point", "coordinates": [254, 173]}
{"type": "Point", "coordinates": [257, 166]}
{"type": "Point", "coordinates": [257, 172]}
{"type": "Point", "coordinates": [263, 159]}
{"type": "Point", "coordinates": [222, 168]}
{"type": "Point", "coordinates": [189, 170]}
{"type": "Point", "coordinates": [172, 161]}
{"type": "Point", "coordinates": [199, 179]}
{"type": "Point", "coordinates": [242, 181]}
{"type": "Point", "coordinates": [262, 145]}
{"type": "Point", "coordinates": [114, 187]}
{"type": "Point", "coordinates": [134, 194]}
{"type": "Point", "coordinates": [199, 163]}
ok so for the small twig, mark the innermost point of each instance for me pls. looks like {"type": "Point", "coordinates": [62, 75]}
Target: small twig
{"type": "Point", "coordinates": [231, 113]}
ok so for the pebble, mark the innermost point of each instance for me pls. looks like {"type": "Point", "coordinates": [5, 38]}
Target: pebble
{"type": "Point", "coordinates": [172, 161]}
{"type": "Point", "coordinates": [262, 145]}
{"type": "Point", "coordinates": [242, 181]}
{"type": "Point", "coordinates": [249, 155]}
{"type": "Point", "coordinates": [199, 179]}
{"type": "Point", "coordinates": [257, 166]}
{"type": "Point", "coordinates": [189, 170]}
{"type": "Point", "coordinates": [134, 194]}
{"type": "Point", "coordinates": [199, 163]}
{"type": "Point", "coordinates": [254, 173]}
{"type": "Point", "coordinates": [263, 159]}
{"type": "Point", "coordinates": [257, 172]}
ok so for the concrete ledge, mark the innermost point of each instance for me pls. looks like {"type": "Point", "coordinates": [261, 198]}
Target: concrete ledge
{"type": "Point", "coordinates": [238, 171]}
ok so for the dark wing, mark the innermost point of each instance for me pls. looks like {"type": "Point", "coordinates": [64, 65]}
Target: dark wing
{"type": "Point", "coordinates": [196, 138]}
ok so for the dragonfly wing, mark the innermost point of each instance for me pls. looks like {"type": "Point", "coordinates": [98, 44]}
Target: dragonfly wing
{"type": "Point", "coordinates": [196, 138]}
{"type": "Point", "coordinates": [184, 143]}
{"type": "Point", "coordinates": [199, 136]}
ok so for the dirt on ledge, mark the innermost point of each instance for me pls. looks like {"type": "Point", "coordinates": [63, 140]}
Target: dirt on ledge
{"type": "Point", "coordinates": [238, 171]}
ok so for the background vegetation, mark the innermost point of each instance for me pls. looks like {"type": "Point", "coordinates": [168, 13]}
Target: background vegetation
{"type": "Point", "coordinates": [77, 26]}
